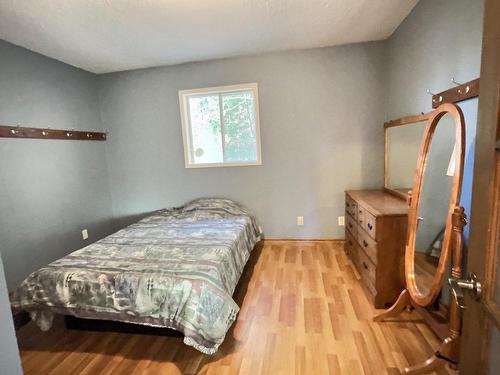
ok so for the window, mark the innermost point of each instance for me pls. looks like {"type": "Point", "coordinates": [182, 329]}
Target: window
{"type": "Point", "coordinates": [220, 126]}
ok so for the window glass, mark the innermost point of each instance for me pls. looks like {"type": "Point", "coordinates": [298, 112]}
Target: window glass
{"type": "Point", "coordinates": [220, 126]}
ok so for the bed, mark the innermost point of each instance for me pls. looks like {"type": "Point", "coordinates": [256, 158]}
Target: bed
{"type": "Point", "coordinates": [177, 269]}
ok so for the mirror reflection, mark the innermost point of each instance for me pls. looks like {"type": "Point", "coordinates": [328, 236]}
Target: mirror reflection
{"type": "Point", "coordinates": [402, 149]}
{"type": "Point", "coordinates": [434, 202]}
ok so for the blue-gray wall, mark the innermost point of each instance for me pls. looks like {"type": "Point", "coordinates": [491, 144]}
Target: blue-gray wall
{"type": "Point", "coordinates": [9, 355]}
{"type": "Point", "coordinates": [321, 115]}
{"type": "Point", "coordinates": [440, 39]}
{"type": "Point", "coordinates": [321, 121]}
{"type": "Point", "coordinates": [49, 190]}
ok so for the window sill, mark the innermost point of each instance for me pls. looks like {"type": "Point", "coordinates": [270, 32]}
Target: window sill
{"type": "Point", "coordinates": [223, 165]}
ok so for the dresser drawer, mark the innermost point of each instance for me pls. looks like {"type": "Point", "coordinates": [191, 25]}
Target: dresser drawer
{"type": "Point", "coordinates": [371, 288]}
{"type": "Point", "coordinates": [360, 212]}
{"type": "Point", "coordinates": [368, 245]}
{"type": "Point", "coordinates": [367, 221]}
{"type": "Point", "coordinates": [353, 249]}
{"type": "Point", "coordinates": [351, 224]}
{"type": "Point", "coordinates": [351, 207]}
{"type": "Point", "coordinates": [366, 267]}
{"type": "Point", "coordinates": [350, 243]}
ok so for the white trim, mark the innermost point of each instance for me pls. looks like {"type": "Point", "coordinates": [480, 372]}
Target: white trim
{"type": "Point", "coordinates": [211, 165]}
{"type": "Point", "coordinates": [220, 89]}
{"type": "Point", "coordinates": [222, 130]}
{"type": "Point", "coordinates": [184, 95]}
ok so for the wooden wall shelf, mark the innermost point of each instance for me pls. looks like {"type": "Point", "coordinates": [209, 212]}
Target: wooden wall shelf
{"type": "Point", "coordinates": [41, 133]}
{"type": "Point", "coordinates": [456, 94]}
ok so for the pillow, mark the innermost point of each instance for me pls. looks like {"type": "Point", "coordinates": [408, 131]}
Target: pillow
{"type": "Point", "coordinates": [216, 204]}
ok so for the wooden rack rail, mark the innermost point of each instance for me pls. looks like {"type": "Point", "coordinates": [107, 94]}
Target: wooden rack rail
{"type": "Point", "coordinates": [456, 94]}
{"type": "Point", "coordinates": [46, 133]}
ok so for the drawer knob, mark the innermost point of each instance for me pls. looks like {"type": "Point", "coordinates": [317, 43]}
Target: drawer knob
{"type": "Point", "coordinates": [350, 242]}
{"type": "Point", "coordinates": [370, 226]}
{"type": "Point", "coordinates": [365, 244]}
{"type": "Point", "coordinates": [350, 225]}
{"type": "Point", "coordinates": [347, 204]}
{"type": "Point", "coordinates": [364, 265]}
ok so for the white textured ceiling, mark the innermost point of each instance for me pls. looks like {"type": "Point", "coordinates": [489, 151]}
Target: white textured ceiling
{"type": "Point", "coordinates": [112, 35]}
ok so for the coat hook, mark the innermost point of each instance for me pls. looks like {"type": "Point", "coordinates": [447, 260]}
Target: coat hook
{"type": "Point", "coordinates": [439, 100]}
{"type": "Point", "coordinates": [460, 91]}
{"type": "Point", "coordinates": [467, 89]}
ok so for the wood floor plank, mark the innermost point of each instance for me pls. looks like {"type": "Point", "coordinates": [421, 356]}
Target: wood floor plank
{"type": "Point", "coordinates": [303, 312]}
{"type": "Point", "coordinates": [287, 309]}
{"type": "Point", "coordinates": [333, 364]}
{"type": "Point", "coordinates": [300, 360]}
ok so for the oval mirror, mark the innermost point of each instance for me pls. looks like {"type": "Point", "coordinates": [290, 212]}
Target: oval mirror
{"type": "Point", "coordinates": [435, 194]}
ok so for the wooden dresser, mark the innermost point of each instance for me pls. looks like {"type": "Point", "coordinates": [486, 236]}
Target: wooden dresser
{"type": "Point", "coordinates": [376, 224]}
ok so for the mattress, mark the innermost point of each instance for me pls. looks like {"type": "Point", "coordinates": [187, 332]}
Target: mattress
{"type": "Point", "coordinates": [177, 268]}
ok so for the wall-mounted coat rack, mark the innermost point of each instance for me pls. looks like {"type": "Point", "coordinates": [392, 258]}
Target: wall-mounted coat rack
{"type": "Point", "coordinates": [40, 133]}
{"type": "Point", "coordinates": [462, 91]}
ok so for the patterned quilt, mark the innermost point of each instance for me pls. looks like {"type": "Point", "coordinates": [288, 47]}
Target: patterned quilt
{"type": "Point", "coordinates": [177, 268]}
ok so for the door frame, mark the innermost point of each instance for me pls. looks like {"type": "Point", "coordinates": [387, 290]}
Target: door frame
{"type": "Point", "coordinates": [477, 318]}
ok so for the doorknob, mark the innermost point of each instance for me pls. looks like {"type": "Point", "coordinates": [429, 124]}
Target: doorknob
{"type": "Point", "coordinates": [458, 285]}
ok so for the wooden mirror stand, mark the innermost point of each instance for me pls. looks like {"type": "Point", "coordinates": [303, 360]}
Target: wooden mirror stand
{"type": "Point", "coordinates": [412, 298]}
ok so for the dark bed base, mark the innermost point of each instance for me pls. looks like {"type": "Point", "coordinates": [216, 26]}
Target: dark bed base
{"type": "Point", "coordinates": [112, 326]}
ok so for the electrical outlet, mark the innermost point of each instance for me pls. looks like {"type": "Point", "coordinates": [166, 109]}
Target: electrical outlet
{"type": "Point", "coordinates": [300, 220]}
{"type": "Point", "coordinates": [85, 234]}
{"type": "Point", "coordinates": [341, 220]}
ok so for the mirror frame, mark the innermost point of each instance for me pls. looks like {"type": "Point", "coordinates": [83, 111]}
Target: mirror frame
{"type": "Point", "coordinates": [456, 187]}
{"type": "Point", "coordinates": [407, 120]}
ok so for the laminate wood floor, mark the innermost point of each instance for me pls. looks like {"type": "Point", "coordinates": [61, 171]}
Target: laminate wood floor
{"type": "Point", "coordinates": [303, 312]}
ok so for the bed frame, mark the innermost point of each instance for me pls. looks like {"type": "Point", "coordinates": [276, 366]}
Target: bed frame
{"type": "Point", "coordinates": [98, 325]}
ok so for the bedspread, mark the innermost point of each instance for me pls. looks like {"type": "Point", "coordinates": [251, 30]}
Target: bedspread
{"type": "Point", "coordinates": [177, 268]}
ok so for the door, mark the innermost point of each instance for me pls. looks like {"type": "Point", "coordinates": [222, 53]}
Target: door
{"type": "Point", "coordinates": [480, 351]}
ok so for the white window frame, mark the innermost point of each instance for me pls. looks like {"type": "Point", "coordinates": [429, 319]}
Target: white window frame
{"type": "Point", "coordinates": [184, 96]}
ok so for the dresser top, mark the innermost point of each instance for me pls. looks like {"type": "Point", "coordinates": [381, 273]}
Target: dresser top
{"type": "Point", "coordinates": [379, 202]}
